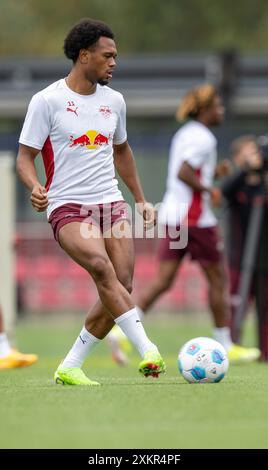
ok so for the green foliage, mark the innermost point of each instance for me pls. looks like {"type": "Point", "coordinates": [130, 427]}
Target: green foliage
{"type": "Point", "coordinates": [37, 27]}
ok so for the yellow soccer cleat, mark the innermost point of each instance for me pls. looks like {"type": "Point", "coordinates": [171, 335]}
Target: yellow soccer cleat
{"type": "Point", "coordinates": [238, 354]}
{"type": "Point", "coordinates": [17, 359]}
{"type": "Point", "coordinates": [72, 376]}
{"type": "Point", "coordinates": [152, 364]}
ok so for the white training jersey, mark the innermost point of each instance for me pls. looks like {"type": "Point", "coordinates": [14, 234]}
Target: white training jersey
{"type": "Point", "coordinates": [195, 144]}
{"type": "Point", "coordinates": [75, 134]}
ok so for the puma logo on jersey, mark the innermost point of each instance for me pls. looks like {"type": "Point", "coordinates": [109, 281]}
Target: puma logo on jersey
{"type": "Point", "coordinates": [72, 108]}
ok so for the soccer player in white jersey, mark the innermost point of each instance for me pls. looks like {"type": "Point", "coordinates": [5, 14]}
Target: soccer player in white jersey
{"type": "Point", "coordinates": [192, 167]}
{"type": "Point", "coordinates": [79, 125]}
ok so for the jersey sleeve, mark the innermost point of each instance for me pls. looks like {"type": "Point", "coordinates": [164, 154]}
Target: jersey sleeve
{"type": "Point", "coordinates": [195, 153]}
{"type": "Point", "coordinates": [195, 157]}
{"type": "Point", "coordinates": [120, 135]}
{"type": "Point", "coordinates": [37, 124]}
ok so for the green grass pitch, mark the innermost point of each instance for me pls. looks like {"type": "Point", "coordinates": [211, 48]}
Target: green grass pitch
{"type": "Point", "coordinates": [129, 411]}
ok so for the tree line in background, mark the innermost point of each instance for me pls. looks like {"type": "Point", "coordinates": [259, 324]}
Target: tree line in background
{"type": "Point", "coordinates": [38, 27]}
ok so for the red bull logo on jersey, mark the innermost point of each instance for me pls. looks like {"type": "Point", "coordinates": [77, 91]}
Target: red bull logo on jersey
{"type": "Point", "coordinates": [105, 111]}
{"type": "Point", "coordinates": [91, 139]}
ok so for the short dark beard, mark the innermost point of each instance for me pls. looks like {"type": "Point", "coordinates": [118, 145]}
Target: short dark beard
{"type": "Point", "coordinates": [103, 82]}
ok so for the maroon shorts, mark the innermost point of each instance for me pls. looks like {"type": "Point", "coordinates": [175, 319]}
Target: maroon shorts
{"type": "Point", "coordinates": [103, 216]}
{"type": "Point", "coordinates": [204, 245]}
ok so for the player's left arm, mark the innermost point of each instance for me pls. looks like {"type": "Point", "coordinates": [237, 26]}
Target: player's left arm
{"type": "Point", "coordinates": [126, 167]}
{"type": "Point", "coordinates": [127, 170]}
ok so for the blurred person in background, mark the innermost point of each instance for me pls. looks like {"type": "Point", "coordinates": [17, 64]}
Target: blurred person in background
{"type": "Point", "coordinates": [243, 190]}
{"type": "Point", "coordinates": [192, 168]}
{"type": "Point", "coordinates": [79, 125]}
{"type": "Point", "coordinates": [10, 358]}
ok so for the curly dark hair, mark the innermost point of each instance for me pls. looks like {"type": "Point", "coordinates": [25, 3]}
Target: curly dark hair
{"type": "Point", "coordinates": [195, 101]}
{"type": "Point", "coordinates": [83, 35]}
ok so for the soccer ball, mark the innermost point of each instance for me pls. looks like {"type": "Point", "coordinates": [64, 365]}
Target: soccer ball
{"type": "Point", "coordinates": [203, 360]}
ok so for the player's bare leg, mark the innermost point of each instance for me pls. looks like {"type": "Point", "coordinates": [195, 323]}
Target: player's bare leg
{"type": "Point", "coordinates": [217, 294]}
{"type": "Point", "coordinates": [161, 283]}
{"type": "Point", "coordinates": [220, 310]}
{"type": "Point", "coordinates": [121, 253]}
{"type": "Point", "coordinates": [93, 256]}
{"type": "Point", "coordinates": [99, 321]}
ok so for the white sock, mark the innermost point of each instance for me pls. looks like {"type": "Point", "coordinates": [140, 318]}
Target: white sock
{"type": "Point", "coordinates": [131, 325]}
{"type": "Point", "coordinates": [140, 312]}
{"type": "Point", "coordinates": [223, 336]}
{"type": "Point", "coordinates": [4, 345]}
{"type": "Point", "coordinates": [112, 332]}
{"type": "Point", "coordinates": [84, 344]}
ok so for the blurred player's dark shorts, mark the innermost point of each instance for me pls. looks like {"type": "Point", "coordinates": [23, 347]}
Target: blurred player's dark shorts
{"type": "Point", "coordinates": [204, 245]}
{"type": "Point", "coordinates": [103, 216]}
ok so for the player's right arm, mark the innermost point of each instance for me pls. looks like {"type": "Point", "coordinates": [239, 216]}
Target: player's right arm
{"type": "Point", "coordinates": [27, 173]}
{"type": "Point", "coordinates": [188, 175]}
{"type": "Point", "coordinates": [35, 131]}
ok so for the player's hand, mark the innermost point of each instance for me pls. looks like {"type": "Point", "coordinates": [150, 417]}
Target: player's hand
{"type": "Point", "coordinates": [148, 213]}
{"type": "Point", "coordinates": [224, 168]}
{"type": "Point", "coordinates": [216, 196]}
{"type": "Point", "coordinates": [39, 198]}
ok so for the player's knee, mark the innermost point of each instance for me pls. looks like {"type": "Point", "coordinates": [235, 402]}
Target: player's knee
{"type": "Point", "coordinates": [129, 287]}
{"type": "Point", "coordinates": [99, 267]}
{"type": "Point", "coordinates": [127, 283]}
{"type": "Point", "coordinates": [125, 278]}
